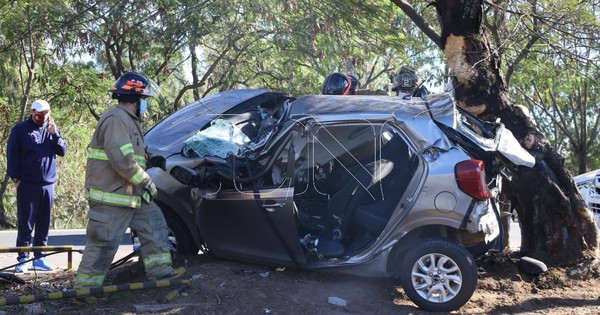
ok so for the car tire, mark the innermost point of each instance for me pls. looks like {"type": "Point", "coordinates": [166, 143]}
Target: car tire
{"type": "Point", "coordinates": [180, 239]}
{"type": "Point", "coordinates": [479, 249]}
{"type": "Point", "coordinates": [438, 275]}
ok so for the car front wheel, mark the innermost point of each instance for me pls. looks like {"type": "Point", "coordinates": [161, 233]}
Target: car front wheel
{"type": "Point", "coordinates": [438, 275]}
{"type": "Point", "coordinates": [180, 239]}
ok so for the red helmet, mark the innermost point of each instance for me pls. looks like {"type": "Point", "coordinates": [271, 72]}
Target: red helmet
{"type": "Point", "coordinates": [133, 84]}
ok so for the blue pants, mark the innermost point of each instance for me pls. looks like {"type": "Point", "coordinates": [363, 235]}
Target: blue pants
{"type": "Point", "coordinates": [34, 202]}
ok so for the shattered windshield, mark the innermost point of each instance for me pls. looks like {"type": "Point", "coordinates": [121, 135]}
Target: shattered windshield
{"type": "Point", "coordinates": [237, 133]}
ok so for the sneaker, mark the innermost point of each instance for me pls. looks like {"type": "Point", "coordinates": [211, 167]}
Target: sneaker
{"type": "Point", "coordinates": [23, 265]}
{"type": "Point", "coordinates": [175, 274]}
{"type": "Point", "coordinates": [40, 264]}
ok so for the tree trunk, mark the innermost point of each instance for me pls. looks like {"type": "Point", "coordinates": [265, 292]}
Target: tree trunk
{"type": "Point", "coordinates": [556, 227]}
{"type": "Point", "coordinates": [582, 158]}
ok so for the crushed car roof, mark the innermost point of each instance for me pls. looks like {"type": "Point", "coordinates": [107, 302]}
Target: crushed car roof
{"type": "Point", "coordinates": [412, 115]}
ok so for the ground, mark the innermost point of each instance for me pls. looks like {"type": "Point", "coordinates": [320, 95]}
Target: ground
{"type": "Point", "coordinates": [224, 287]}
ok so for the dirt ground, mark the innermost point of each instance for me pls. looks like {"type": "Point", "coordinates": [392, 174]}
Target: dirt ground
{"type": "Point", "coordinates": [224, 287]}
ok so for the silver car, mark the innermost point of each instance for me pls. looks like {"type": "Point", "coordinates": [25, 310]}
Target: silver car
{"type": "Point", "coordinates": [376, 186]}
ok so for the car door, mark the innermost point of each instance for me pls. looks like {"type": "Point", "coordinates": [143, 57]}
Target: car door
{"type": "Point", "coordinates": [255, 221]}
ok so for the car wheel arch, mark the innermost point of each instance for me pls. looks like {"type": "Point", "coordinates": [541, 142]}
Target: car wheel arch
{"type": "Point", "coordinates": [416, 235]}
{"type": "Point", "coordinates": [186, 222]}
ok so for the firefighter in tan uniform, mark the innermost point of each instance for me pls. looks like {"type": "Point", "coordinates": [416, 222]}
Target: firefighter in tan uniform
{"type": "Point", "coordinates": [120, 192]}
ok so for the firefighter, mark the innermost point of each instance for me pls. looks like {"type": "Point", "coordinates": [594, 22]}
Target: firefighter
{"type": "Point", "coordinates": [407, 83]}
{"type": "Point", "coordinates": [120, 192]}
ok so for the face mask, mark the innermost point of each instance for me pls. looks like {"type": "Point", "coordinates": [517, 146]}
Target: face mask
{"type": "Point", "coordinates": [39, 118]}
{"type": "Point", "coordinates": [143, 107]}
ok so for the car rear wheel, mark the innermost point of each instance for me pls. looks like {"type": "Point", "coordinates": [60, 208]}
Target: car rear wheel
{"type": "Point", "coordinates": [438, 275]}
{"type": "Point", "coordinates": [180, 239]}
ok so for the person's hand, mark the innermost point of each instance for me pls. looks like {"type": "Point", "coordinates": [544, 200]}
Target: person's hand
{"type": "Point", "coordinates": [17, 184]}
{"type": "Point", "coordinates": [51, 126]}
{"type": "Point", "coordinates": [149, 192]}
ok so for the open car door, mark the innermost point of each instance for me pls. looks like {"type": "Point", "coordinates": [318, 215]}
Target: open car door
{"type": "Point", "coordinates": [255, 221]}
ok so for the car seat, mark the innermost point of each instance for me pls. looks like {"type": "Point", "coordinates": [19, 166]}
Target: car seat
{"type": "Point", "coordinates": [373, 216]}
{"type": "Point", "coordinates": [363, 186]}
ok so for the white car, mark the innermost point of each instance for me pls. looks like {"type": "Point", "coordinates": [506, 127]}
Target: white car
{"type": "Point", "coordinates": [589, 187]}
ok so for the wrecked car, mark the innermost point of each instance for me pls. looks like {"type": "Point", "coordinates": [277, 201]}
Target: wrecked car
{"type": "Point", "coordinates": [375, 186]}
{"type": "Point", "coordinates": [589, 187]}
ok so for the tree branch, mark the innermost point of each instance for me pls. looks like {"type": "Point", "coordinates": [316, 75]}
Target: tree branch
{"type": "Point", "coordinates": [419, 21]}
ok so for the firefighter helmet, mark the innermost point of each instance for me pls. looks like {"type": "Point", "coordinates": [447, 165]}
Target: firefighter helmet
{"type": "Point", "coordinates": [355, 83]}
{"type": "Point", "coordinates": [406, 80]}
{"type": "Point", "coordinates": [132, 84]}
{"type": "Point", "coordinates": [339, 84]}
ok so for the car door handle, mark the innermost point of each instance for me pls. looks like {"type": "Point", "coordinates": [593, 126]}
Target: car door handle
{"type": "Point", "coordinates": [274, 205]}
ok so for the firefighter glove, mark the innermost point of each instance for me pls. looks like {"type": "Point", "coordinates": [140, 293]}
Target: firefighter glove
{"type": "Point", "coordinates": [149, 192]}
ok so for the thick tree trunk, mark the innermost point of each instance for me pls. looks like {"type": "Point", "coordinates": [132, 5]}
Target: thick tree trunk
{"type": "Point", "coordinates": [555, 224]}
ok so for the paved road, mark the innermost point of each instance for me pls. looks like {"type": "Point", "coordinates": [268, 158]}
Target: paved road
{"type": "Point", "coordinates": [76, 238]}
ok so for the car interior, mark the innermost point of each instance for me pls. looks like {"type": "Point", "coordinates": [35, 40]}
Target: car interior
{"type": "Point", "coordinates": [348, 177]}
{"type": "Point", "coordinates": [350, 181]}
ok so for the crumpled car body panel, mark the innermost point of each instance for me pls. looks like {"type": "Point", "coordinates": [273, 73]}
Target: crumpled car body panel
{"type": "Point", "coordinates": [430, 198]}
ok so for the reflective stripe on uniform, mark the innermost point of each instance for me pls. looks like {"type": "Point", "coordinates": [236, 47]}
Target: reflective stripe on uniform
{"type": "Point", "coordinates": [97, 154]}
{"type": "Point", "coordinates": [139, 177]}
{"type": "Point", "coordinates": [127, 149]}
{"type": "Point", "coordinates": [157, 259]}
{"type": "Point", "coordinates": [141, 160]}
{"type": "Point", "coordinates": [113, 199]}
{"type": "Point", "coordinates": [86, 280]}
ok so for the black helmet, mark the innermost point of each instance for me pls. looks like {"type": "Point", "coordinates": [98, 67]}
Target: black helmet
{"type": "Point", "coordinates": [131, 86]}
{"type": "Point", "coordinates": [339, 84]}
{"type": "Point", "coordinates": [406, 80]}
{"type": "Point", "coordinates": [355, 83]}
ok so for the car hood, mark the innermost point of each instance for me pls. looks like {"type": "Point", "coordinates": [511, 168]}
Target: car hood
{"type": "Point", "coordinates": [585, 177]}
{"type": "Point", "coordinates": [168, 135]}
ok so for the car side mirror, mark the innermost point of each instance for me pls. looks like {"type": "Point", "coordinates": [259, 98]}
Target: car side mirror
{"type": "Point", "coordinates": [158, 161]}
{"type": "Point", "coordinates": [185, 175]}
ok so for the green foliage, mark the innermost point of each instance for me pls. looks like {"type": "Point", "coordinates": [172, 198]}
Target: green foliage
{"type": "Point", "coordinates": [71, 52]}
{"type": "Point", "coordinates": [553, 66]}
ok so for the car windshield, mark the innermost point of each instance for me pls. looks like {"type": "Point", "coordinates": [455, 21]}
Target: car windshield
{"type": "Point", "coordinates": [170, 134]}
{"type": "Point", "coordinates": [237, 134]}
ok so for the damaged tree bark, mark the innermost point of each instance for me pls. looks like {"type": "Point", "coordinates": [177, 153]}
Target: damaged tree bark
{"type": "Point", "coordinates": [556, 227]}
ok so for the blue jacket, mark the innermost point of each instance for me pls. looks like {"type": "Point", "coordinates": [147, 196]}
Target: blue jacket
{"type": "Point", "coordinates": [31, 153]}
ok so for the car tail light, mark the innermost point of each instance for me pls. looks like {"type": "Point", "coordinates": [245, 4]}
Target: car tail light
{"type": "Point", "coordinates": [470, 177]}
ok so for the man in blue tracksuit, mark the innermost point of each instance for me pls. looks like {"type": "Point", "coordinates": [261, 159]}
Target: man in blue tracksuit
{"type": "Point", "coordinates": [31, 157]}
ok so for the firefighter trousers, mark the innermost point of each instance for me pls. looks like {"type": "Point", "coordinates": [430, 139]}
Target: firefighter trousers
{"type": "Point", "coordinates": [105, 229]}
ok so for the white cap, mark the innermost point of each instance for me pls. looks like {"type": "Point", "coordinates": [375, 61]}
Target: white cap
{"type": "Point", "coordinates": [40, 106]}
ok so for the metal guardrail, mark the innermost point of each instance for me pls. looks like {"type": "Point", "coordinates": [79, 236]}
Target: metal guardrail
{"type": "Point", "coordinates": [55, 249]}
